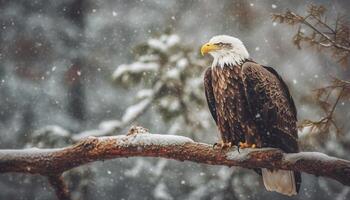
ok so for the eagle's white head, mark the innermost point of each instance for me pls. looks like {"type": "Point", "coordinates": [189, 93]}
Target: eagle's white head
{"type": "Point", "coordinates": [226, 50]}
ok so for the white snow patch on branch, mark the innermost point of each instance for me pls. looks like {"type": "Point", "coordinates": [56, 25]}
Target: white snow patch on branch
{"type": "Point", "coordinates": [136, 67]}
{"type": "Point", "coordinates": [144, 93]}
{"type": "Point", "coordinates": [173, 74]}
{"type": "Point", "coordinates": [110, 125]}
{"type": "Point", "coordinates": [173, 40]}
{"type": "Point", "coordinates": [164, 42]}
{"type": "Point", "coordinates": [243, 154]}
{"type": "Point", "coordinates": [133, 111]}
{"type": "Point", "coordinates": [294, 157]}
{"type": "Point", "coordinates": [105, 128]}
{"type": "Point", "coordinates": [54, 130]}
{"type": "Point", "coordinates": [146, 139]}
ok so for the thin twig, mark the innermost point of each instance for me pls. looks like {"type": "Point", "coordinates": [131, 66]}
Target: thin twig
{"type": "Point", "coordinates": [335, 44]}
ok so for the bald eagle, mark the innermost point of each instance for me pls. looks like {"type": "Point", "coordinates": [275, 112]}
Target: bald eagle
{"type": "Point", "coordinates": [251, 106]}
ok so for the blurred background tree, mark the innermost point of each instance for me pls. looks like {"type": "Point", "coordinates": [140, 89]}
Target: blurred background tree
{"type": "Point", "coordinates": [62, 78]}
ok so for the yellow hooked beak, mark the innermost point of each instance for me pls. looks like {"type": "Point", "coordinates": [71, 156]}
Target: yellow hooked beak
{"type": "Point", "coordinates": [206, 48]}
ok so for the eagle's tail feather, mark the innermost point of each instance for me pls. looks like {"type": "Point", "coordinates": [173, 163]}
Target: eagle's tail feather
{"type": "Point", "coordinates": [281, 181]}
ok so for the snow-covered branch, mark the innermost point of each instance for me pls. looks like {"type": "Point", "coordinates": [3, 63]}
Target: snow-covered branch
{"type": "Point", "coordinates": [139, 142]}
{"type": "Point", "coordinates": [130, 115]}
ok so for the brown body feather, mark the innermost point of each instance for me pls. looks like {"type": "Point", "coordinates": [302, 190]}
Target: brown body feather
{"type": "Point", "coordinates": [251, 103]}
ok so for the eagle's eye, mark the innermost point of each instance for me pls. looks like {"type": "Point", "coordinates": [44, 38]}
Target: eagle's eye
{"type": "Point", "coordinates": [221, 44]}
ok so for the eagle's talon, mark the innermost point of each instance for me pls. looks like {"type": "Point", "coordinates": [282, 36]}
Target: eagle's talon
{"type": "Point", "coordinates": [223, 145]}
{"type": "Point", "coordinates": [244, 145]}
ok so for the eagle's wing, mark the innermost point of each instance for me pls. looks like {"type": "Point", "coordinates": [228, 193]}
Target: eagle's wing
{"type": "Point", "coordinates": [274, 112]}
{"type": "Point", "coordinates": [271, 106]}
{"type": "Point", "coordinates": [209, 94]}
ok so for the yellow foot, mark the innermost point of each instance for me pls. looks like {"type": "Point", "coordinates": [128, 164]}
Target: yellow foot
{"type": "Point", "coordinates": [223, 145]}
{"type": "Point", "coordinates": [243, 145]}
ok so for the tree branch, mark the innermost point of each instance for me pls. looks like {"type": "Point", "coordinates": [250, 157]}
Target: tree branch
{"type": "Point", "coordinates": [335, 44]}
{"type": "Point", "coordinates": [138, 142]}
{"type": "Point", "coordinates": [131, 114]}
{"type": "Point", "coordinates": [61, 189]}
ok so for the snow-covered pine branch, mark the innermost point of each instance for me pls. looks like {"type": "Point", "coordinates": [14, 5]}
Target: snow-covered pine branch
{"type": "Point", "coordinates": [169, 75]}
{"type": "Point", "coordinates": [139, 142]}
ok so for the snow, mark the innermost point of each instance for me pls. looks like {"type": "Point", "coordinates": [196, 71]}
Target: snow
{"type": "Point", "coordinates": [134, 110]}
{"type": "Point", "coordinates": [161, 192]}
{"type": "Point", "coordinates": [109, 37]}
{"type": "Point", "coordinates": [53, 129]}
{"type": "Point", "coordinates": [292, 157]}
{"type": "Point", "coordinates": [146, 139]}
{"type": "Point", "coordinates": [156, 44]}
{"type": "Point", "coordinates": [149, 58]}
{"type": "Point", "coordinates": [171, 104]}
{"type": "Point", "coordinates": [109, 125]}
{"type": "Point", "coordinates": [136, 169]}
{"type": "Point", "coordinates": [105, 128]}
{"type": "Point", "coordinates": [173, 73]}
{"type": "Point", "coordinates": [144, 93]}
{"type": "Point", "coordinates": [243, 153]}
{"type": "Point", "coordinates": [28, 151]}
{"type": "Point", "coordinates": [305, 131]}
{"type": "Point", "coordinates": [136, 67]}
{"type": "Point", "coordinates": [172, 40]}
{"type": "Point", "coordinates": [182, 63]}
{"type": "Point", "coordinates": [164, 43]}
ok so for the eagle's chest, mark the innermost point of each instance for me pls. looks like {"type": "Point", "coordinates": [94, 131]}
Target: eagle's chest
{"type": "Point", "coordinates": [233, 118]}
{"type": "Point", "coordinates": [228, 90]}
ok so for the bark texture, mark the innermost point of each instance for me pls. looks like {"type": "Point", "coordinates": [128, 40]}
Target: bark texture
{"type": "Point", "coordinates": [138, 142]}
